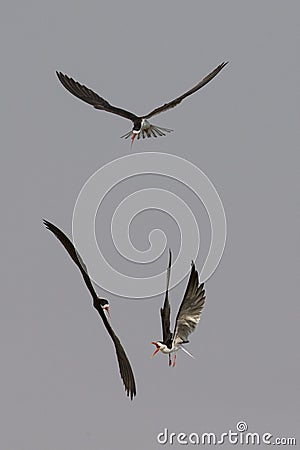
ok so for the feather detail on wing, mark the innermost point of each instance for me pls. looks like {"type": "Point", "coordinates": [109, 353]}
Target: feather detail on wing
{"type": "Point", "coordinates": [125, 369]}
{"type": "Point", "coordinates": [124, 364]}
{"type": "Point", "coordinates": [68, 245]}
{"type": "Point", "coordinates": [87, 95]}
{"type": "Point", "coordinates": [179, 99]}
{"type": "Point", "coordinates": [190, 310]}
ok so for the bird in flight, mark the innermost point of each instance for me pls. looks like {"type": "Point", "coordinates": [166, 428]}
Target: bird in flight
{"type": "Point", "coordinates": [101, 305]}
{"type": "Point", "coordinates": [187, 318]}
{"type": "Point", "coordinates": [141, 126]}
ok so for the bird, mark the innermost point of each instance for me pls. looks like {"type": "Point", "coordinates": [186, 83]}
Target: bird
{"type": "Point", "coordinates": [141, 125]}
{"type": "Point", "coordinates": [102, 306]}
{"type": "Point", "coordinates": [187, 318]}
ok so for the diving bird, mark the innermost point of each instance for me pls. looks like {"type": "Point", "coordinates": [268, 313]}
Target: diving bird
{"type": "Point", "coordinates": [187, 318]}
{"type": "Point", "coordinates": [101, 305]}
{"type": "Point", "coordinates": [141, 126]}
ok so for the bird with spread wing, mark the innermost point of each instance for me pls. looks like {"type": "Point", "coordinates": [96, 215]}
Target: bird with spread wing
{"type": "Point", "coordinates": [141, 125]}
{"type": "Point", "coordinates": [187, 318]}
{"type": "Point", "coordinates": [101, 305]}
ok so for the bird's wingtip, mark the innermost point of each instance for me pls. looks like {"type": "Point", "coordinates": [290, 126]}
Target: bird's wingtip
{"type": "Point", "coordinates": [170, 257]}
{"type": "Point", "coordinates": [131, 392]}
{"type": "Point", "coordinates": [50, 226]}
{"type": "Point", "coordinates": [132, 395]}
{"type": "Point", "coordinates": [61, 76]}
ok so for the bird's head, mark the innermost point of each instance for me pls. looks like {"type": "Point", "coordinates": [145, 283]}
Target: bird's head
{"type": "Point", "coordinates": [105, 306]}
{"type": "Point", "coordinates": [159, 346]}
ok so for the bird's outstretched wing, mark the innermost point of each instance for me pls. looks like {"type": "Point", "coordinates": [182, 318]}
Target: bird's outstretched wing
{"type": "Point", "coordinates": [123, 361]}
{"type": "Point", "coordinates": [190, 309]}
{"type": "Point", "coordinates": [87, 95]}
{"type": "Point", "coordinates": [177, 100]}
{"type": "Point", "coordinates": [73, 254]}
{"type": "Point", "coordinates": [165, 310]}
{"type": "Point", "coordinates": [124, 364]}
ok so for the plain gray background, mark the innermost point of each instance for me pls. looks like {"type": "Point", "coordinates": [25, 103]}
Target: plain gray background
{"type": "Point", "coordinates": [60, 386]}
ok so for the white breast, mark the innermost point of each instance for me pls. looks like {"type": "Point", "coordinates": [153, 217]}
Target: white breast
{"type": "Point", "coordinates": [145, 125]}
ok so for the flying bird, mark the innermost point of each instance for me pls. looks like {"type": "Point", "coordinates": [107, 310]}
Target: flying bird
{"type": "Point", "coordinates": [101, 305]}
{"type": "Point", "coordinates": [187, 318]}
{"type": "Point", "coordinates": [141, 126]}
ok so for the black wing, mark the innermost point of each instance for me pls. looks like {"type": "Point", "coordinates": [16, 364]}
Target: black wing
{"type": "Point", "coordinates": [124, 364]}
{"type": "Point", "coordinates": [190, 309]}
{"type": "Point", "coordinates": [74, 255]}
{"type": "Point", "coordinates": [87, 95]}
{"type": "Point", "coordinates": [177, 100]}
{"type": "Point", "coordinates": [165, 310]}
{"type": "Point", "coordinates": [123, 361]}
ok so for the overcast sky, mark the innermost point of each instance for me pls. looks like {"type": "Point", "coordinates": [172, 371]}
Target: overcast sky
{"type": "Point", "coordinates": [60, 387]}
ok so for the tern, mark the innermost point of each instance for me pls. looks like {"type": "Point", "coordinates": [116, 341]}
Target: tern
{"type": "Point", "coordinates": [141, 126]}
{"type": "Point", "coordinates": [187, 318]}
{"type": "Point", "coordinates": [101, 305]}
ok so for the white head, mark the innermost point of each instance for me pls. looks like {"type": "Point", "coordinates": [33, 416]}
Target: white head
{"type": "Point", "coordinates": [159, 346]}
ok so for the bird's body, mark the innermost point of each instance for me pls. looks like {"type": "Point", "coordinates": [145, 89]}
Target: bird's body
{"type": "Point", "coordinates": [141, 126]}
{"type": "Point", "coordinates": [187, 318]}
{"type": "Point", "coordinates": [101, 305]}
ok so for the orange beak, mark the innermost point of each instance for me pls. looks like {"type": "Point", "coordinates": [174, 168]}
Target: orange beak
{"type": "Point", "coordinates": [133, 138]}
{"type": "Point", "coordinates": [155, 351]}
{"type": "Point", "coordinates": [106, 308]}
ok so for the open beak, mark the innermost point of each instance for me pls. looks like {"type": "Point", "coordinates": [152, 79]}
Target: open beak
{"type": "Point", "coordinates": [156, 350]}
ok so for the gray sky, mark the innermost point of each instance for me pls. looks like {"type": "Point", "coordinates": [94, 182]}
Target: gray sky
{"type": "Point", "coordinates": [60, 386]}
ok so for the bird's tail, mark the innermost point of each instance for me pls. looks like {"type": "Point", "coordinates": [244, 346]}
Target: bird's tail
{"type": "Point", "coordinates": [127, 135]}
{"type": "Point", "coordinates": [153, 130]}
{"type": "Point", "coordinates": [185, 350]}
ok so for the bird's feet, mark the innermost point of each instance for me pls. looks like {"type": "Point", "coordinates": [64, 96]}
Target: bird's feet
{"type": "Point", "coordinates": [170, 360]}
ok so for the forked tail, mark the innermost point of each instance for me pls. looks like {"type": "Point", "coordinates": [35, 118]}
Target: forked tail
{"type": "Point", "coordinates": [153, 130]}
{"type": "Point", "coordinates": [188, 353]}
